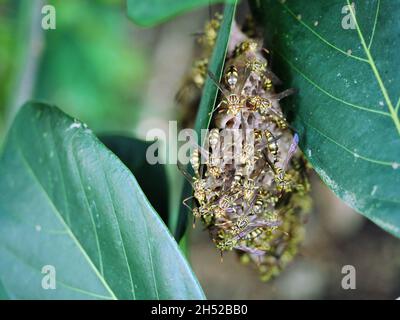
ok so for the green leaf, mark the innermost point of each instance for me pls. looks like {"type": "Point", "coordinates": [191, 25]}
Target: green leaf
{"type": "Point", "coordinates": [207, 102]}
{"type": "Point", "coordinates": [3, 293]}
{"type": "Point", "coordinates": [68, 202]}
{"type": "Point", "coordinates": [348, 102]}
{"type": "Point", "coordinates": [152, 179]}
{"type": "Point", "coordinates": [148, 13]}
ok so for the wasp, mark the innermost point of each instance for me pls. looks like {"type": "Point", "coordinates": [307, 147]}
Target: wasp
{"type": "Point", "coordinates": [256, 66]}
{"type": "Point", "coordinates": [255, 233]}
{"type": "Point", "coordinates": [272, 144]}
{"type": "Point", "coordinates": [225, 242]}
{"type": "Point", "coordinates": [202, 212]}
{"type": "Point", "coordinates": [246, 52]}
{"type": "Point", "coordinates": [213, 137]}
{"type": "Point", "coordinates": [238, 177]}
{"type": "Point", "coordinates": [267, 84]}
{"type": "Point", "coordinates": [272, 217]}
{"type": "Point", "coordinates": [199, 71]}
{"type": "Point", "coordinates": [214, 171]}
{"type": "Point", "coordinates": [231, 77]}
{"type": "Point", "coordinates": [240, 225]}
{"type": "Point", "coordinates": [247, 46]}
{"type": "Point", "coordinates": [199, 185]}
{"type": "Point", "coordinates": [247, 156]}
{"type": "Point", "coordinates": [209, 36]}
{"type": "Point", "coordinates": [219, 212]}
{"type": "Point", "coordinates": [258, 205]}
{"type": "Point", "coordinates": [213, 162]}
{"type": "Point", "coordinates": [214, 165]}
{"type": "Point", "coordinates": [280, 121]}
{"type": "Point", "coordinates": [258, 134]}
{"type": "Point", "coordinates": [262, 105]}
{"type": "Point", "coordinates": [195, 161]}
{"type": "Point", "coordinates": [233, 101]}
{"type": "Point", "coordinates": [227, 202]}
{"type": "Point", "coordinates": [281, 178]}
{"type": "Point", "coordinates": [249, 188]}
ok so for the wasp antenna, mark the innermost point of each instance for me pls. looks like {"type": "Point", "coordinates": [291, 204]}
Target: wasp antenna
{"type": "Point", "coordinates": [185, 204]}
{"type": "Point", "coordinates": [277, 138]}
{"type": "Point", "coordinates": [273, 77]}
{"type": "Point", "coordinates": [216, 82]}
{"type": "Point", "coordinates": [216, 108]}
{"type": "Point", "coordinates": [184, 172]}
{"type": "Point", "coordinates": [265, 50]}
{"type": "Point", "coordinates": [264, 152]}
{"type": "Point", "coordinates": [284, 94]}
{"type": "Point", "coordinates": [292, 128]}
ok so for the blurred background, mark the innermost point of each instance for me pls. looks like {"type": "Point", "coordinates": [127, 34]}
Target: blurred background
{"type": "Point", "coordinates": [99, 67]}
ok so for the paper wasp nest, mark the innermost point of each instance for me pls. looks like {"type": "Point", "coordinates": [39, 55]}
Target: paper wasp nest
{"type": "Point", "coordinates": [251, 189]}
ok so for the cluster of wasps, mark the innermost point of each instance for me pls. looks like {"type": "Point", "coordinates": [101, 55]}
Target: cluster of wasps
{"type": "Point", "coordinates": [250, 187]}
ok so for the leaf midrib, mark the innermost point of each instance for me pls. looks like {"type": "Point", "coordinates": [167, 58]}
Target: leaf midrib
{"type": "Point", "coordinates": [67, 228]}
{"type": "Point", "coordinates": [376, 72]}
{"type": "Point", "coordinates": [350, 104]}
{"type": "Point", "coordinates": [119, 232]}
{"type": "Point", "coordinates": [60, 282]}
{"type": "Point", "coordinates": [392, 111]}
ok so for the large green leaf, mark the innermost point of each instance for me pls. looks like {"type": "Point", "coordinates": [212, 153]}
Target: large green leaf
{"type": "Point", "coordinates": [151, 178]}
{"type": "Point", "coordinates": [148, 13]}
{"type": "Point", "coordinates": [3, 293]}
{"type": "Point", "coordinates": [68, 202]}
{"type": "Point", "coordinates": [348, 102]}
{"type": "Point", "coordinates": [207, 102]}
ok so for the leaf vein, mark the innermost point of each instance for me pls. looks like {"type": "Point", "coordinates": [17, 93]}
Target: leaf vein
{"type": "Point", "coordinates": [151, 261]}
{"type": "Point", "coordinates": [91, 216]}
{"type": "Point", "coordinates": [376, 72]}
{"type": "Point", "coordinates": [356, 155]}
{"type": "Point", "coordinates": [374, 27]}
{"type": "Point", "coordinates": [68, 230]}
{"type": "Point", "coordinates": [64, 187]}
{"type": "Point", "coordinates": [288, 10]}
{"type": "Point", "coordinates": [397, 105]}
{"type": "Point", "coordinates": [62, 283]}
{"type": "Point", "coordinates": [328, 93]}
{"type": "Point", "coordinates": [119, 230]}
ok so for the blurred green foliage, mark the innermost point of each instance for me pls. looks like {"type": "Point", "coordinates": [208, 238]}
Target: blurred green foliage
{"type": "Point", "coordinates": [93, 65]}
{"type": "Point", "coordinates": [7, 54]}
{"type": "Point", "coordinates": [148, 13]}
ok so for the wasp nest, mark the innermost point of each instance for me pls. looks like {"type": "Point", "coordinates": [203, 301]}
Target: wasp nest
{"type": "Point", "coordinates": [251, 189]}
